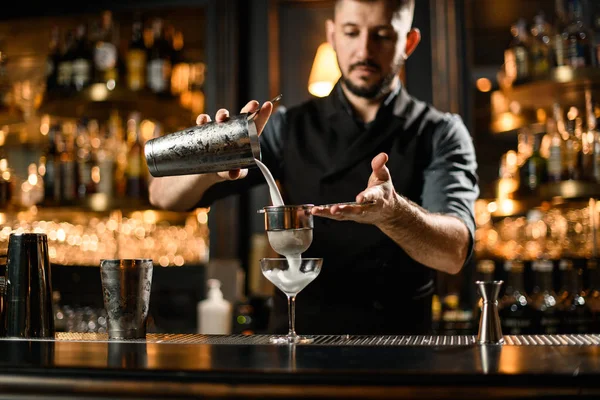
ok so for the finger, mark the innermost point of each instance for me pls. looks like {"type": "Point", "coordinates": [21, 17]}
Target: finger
{"type": "Point", "coordinates": [351, 211]}
{"type": "Point", "coordinates": [222, 115]}
{"type": "Point", "coordinates": [238, 174]}
{"type": "Point", "coordinates": [379, 168]}
{"type": "Point", "coordinates": [326, 214]}
{"type": "Point", "coordinates": [250, 107]}
{"type": "Point", "coordinates": [202, 119]}
{"type": "Point", "coordinates": [371, 194]}
{"type": "Point", "coordinates": [261, 119]}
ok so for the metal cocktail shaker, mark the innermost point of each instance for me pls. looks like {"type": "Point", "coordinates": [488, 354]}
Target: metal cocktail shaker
{"type": "Point", "coordinates": [126, 287]}
{"type": "Point", "coordinates": [28, 292]}
{"type": "Point", "coordinates": [212, 147]}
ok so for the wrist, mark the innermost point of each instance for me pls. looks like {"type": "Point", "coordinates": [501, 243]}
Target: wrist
{"type": "Point", "coordinates": [396, 212]}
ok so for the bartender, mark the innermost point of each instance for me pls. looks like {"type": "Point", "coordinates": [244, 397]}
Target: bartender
{"type": "Point", "coordinates": [368, 140]}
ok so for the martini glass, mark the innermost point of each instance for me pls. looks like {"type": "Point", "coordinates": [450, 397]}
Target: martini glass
{"type": "Point", "coordinates": [291, 275]}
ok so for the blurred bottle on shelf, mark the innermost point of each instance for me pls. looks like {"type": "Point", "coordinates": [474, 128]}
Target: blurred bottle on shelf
{"type": "Point", "coordinates": [65, 64]}
{"type": "Point", "coordinates": [516, 56]}
{"type": "Point", "coordinates": [159, 61]}
{"type": "Point", "coordinates": [136, 57]}
{"type": "Point", "coordinates": [593, 293]}
{"type": "Point", "coordinates": [544, 299]}
{"type": "Point", "coordinates": [53, 60]}
{"type": "Point", "coordinates": [555, 151]}
{"type": "Point", "coordinates": [576, 315]}
{"type": "Point", "coordinates": [533, 172]}
{"type": "Point", "coordinates": [136, 164]}
{"type": "Point", "coordinates": [572, 167]}
{"type": "Point", "coordinates": [118, 146]}
{"type": "Point", "coordinates": [82, 60]}
{"type": "Point", "coordinates": [86, 159]}
{"type": "Point", "coordinates": [180, 77]}
{"type": "Point", "coordinates": [540, 55]}
{"type": "Point", "coordinates": [68, 164]}
{"type": "Point", "coordinates": [105, 157]}
{"type": "Point", "coordinates": [589, 136]}
{"type": "Point", "coordinates": [106, 51]}
{"type": "Point", "coordinates": [577, 37]}
{"type": "Point", "coordinates": [51, 167]}
{"type": "Point", "coordinates": [596, 37]}
{"type": "Point", "coordinates": [514, 308]}
{"type": "Point", "coordinates": [560, 50]}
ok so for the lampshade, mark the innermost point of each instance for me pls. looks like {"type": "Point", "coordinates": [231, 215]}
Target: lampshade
{"type": "Point", "coordinates": [325, 71]}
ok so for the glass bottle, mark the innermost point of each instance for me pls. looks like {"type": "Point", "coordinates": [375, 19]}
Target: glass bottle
{"type": "Point", "coordinates": [93, 142]}
{"type": "Point", "coordinates": [516, 56]}
{"type": "Point", "coordinates": [180, 78]}
{"type": "Point", "coordinates": [544, 299]}
{"type": "Point", "coordinates": [106, 53]}
{"type": "Point", "coordinates": [159, 61]}
{"type": "Point", "coordinates": [556, 151]}
{"type": "Point", "coordinates": [541, 33]}
{"type": "Point", "coordinates": [596, 37]}
{"type": "Point", "coordinates": [578, 37]}
{"type": "Point", "coordinates": [82, 156]}
{"type": "Point", "coordinates": [68, 164]}
{"type": "Point", "coordinates": [587, 140]}
{"type": "Point", "coordinates": [82, 60]}
{"type": "Point", "coordinates": [593, 293]}
{"type": "Point", "coordinates": [534, 170]}
{"type": "Point", "coordinates": [53, 60]}
{"type": "Point", "coordinates": [572, 152]}
{"type": "Point", "coordinates": [51, 166]}
{"type": "Point", "coordinates": [514, 308]}
{"type": "Point", "coordinates": [65, 64]}
{"type": "Point", "coordinates": [136, 165]}
{"type": "Point", "coordinates": [559, 42]}
{"type": "Point", "coordinates": [576, 316]}
{"type": "Point", "coordinates": [105, 154]}
{"type": "Point", "coordinates": [136, 57]}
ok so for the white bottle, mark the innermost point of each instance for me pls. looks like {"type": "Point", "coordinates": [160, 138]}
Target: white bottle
{"type": "Point", "coordinates": [214, 313]}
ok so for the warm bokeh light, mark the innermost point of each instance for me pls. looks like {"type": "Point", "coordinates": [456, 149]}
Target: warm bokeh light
{"type": "Point", "coordinates": [325, 71]}
{"type": "Point", "coordinates": [484, 85]}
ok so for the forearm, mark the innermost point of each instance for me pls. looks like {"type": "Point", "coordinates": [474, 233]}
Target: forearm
{"type": "Point", "coordinates": [180, 193]}
{"type": "Point", "coordinates": [438, 241]}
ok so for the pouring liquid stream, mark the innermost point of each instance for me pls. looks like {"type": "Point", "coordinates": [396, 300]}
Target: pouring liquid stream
{"type": "Point", "coordinates": [292, 256]}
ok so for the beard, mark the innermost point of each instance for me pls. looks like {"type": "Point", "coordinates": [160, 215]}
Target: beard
{"type": "Point", "coordinates": [375, 90]}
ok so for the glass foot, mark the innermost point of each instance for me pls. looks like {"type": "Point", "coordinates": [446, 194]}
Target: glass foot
{"type": "Point", "coordinates": [291, 340]}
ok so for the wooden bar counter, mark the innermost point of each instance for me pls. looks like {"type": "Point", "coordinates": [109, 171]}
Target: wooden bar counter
{"type": "Point", "coordinates": [86, 366]}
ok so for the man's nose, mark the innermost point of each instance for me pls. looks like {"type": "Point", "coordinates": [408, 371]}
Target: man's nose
{"type": "Point", "coordinates": [365, 46]}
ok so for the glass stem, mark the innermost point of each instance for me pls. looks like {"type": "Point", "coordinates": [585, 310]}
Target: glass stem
{"type": "Point", "coordinates": [291, 300]}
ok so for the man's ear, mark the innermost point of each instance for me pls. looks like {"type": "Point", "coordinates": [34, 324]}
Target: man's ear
{"type": "Point", "coordinates": [330, 32]}
{"type": "Point", "coordinates": [413, 38]}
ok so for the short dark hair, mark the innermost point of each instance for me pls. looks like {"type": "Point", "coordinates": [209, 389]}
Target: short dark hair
{"type": "Point", "coordinates": [399, 5]}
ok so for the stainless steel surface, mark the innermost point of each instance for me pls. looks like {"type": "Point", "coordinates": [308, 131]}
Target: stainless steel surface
{"type": "Point", "coordinates": [490, 331]}
{"type": "Point", "coordinates": [350, 203]}
{"type": "Point", "coordinates": [212, 147]}
{"type": "Point", "coordinates": [27, 308]}
{"type": "Point", "coordinates": [340, 340]}
{"type": "Point", "coordinates": [126, 288]}
{"type": "Point", "coordinates": [278, 218]}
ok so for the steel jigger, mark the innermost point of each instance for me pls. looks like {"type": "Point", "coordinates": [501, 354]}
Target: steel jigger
{"type": "Point", "coordinates": [490, 331]}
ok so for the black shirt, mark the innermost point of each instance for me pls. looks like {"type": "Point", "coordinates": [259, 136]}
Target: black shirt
{"type": "Point", "coordinates": [321, 154]}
